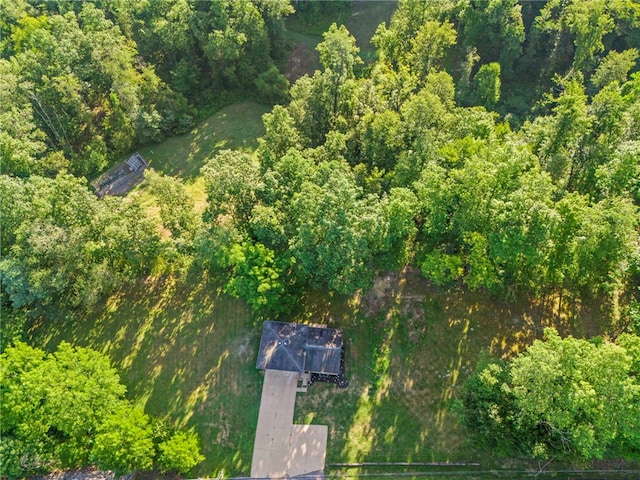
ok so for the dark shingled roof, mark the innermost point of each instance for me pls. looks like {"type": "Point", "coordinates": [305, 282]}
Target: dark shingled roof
{"type": "Point", "coordinates": [299, 348]}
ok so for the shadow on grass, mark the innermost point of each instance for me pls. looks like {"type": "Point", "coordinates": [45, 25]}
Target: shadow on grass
{"type": "Point", "coordinates": [410, 347]}
{"type": "Point", "coordinates": [185, 351]}
{"type": "Point", "coordinates": [237, 126]}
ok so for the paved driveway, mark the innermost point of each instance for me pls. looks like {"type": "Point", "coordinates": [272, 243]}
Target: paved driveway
{"type": "Point", "coordinates": [283, 449]}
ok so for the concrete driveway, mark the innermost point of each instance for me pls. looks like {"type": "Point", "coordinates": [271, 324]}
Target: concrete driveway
{"type": "Point", "coordinates": [282, 449]}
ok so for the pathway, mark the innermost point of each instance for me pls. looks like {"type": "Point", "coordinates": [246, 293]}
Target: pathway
{"type": "Point", "coordinates": [282, 449]}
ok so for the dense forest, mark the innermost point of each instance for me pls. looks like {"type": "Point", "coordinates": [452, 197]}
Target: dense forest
{"type": "Point", "coordinates": [492, 145]}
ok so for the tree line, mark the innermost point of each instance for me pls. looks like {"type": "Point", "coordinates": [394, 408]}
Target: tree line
{"type": "Point", "coordinates": [365, 172]}
{"type": "Point", "coordinates": [363, 168]}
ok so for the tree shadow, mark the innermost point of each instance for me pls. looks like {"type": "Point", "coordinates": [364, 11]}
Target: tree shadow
{"type": "Point", "coordinates": [186, 352]}
{"type": "Point", "coordinates": [236, 126]}
{"type": "Point", "coordinates": [434, 338]}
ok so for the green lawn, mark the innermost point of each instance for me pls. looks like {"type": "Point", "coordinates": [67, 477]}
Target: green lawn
{"type": "Point", "coordinates": [188, 351]}
{"type": "Point", "coordinates": [406, 360]}
{"type": "Point", "coordinates": [185, 351]}
{"type": "Point", "coordinates": [234, 127]}
{"type": "Point", "coordinates": [237, 126]}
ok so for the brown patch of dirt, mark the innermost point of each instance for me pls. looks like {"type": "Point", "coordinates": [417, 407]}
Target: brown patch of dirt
{"type": "Point", "coordinates": [403, 292]}
{"type": "Point", "coordinates": [378, 298]}
{"type": "Point", "coordinates": [404, 289]}
{"type": "Point", "coordinates": [302, 60]}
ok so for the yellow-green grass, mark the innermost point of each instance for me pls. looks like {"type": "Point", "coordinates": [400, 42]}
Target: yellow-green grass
{"type": "Point", "coordinates": [406, 363]}
{"type": "Point", "coordinates": [237, 126]}
{"type": "Point", "coordinates": [185, 351]}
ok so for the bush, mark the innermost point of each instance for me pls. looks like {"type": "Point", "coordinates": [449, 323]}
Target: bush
{"type": "Point", "coordinates": [180, 453]}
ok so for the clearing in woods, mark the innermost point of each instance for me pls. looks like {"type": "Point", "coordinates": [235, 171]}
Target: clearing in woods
{"type": "Point", "coordinates": [186, 351]}
{"type": "Point", "coordinates": [361, 19]}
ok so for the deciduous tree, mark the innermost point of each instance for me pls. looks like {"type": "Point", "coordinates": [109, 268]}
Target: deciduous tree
{"type": "Point", "coordinates": [565, 398]}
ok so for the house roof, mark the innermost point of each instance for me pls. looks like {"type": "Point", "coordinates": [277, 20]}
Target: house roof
{"type": "Point", "coordinates": [299, 348]}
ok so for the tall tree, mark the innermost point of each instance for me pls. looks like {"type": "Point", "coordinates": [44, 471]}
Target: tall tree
{"type": "Point", "coordinates": [565, 398]}
{"type": "Point", "coordinates": [339, 56]}
{"type": "Point", "coordinates": [487, 85]}
{"type": "Point", "coordinates": [232, 182]}
{"type": "Point", "coordinates": [495, 28]}
{"type": "Point", "coordinates": [65, 249]}
{"type": "Point", "coordinates": [337, 232]}
{"type": "Point", "coordinates": [556, 139]}
{"type": "Point", "coordinates": [176, 206]}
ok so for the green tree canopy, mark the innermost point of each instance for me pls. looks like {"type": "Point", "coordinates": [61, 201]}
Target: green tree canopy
{"type": "Point", "coordinates": [65, 249]}
{"type": "Point", "coordinates": [76, 418]}
{"type": "Point", "coordinates": [566, 398]}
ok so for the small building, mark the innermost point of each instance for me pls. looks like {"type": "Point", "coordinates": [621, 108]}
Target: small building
{"type": "Point", "coordinates": [137, 162]}
{"type": "Point", "coordinates": [292, 356]}
{"type": "Point", "coordinates": [306, 349]}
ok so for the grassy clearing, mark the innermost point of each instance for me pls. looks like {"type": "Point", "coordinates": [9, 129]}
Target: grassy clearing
{"type": "Point", "coordinates": [363, 22]}
{"type": "Point", "coordinates": [407, 357]}
{"type": "Point", "coordinates": [361, 19]}
{"type": "Point", "coordinates": [237, 126]}
{"type": "Point", "coordinates": [234, 127]}
{"type": "Point", "coordinates": [185, 351]}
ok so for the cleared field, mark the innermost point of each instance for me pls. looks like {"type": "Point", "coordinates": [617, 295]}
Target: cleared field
{"type": "Point", "coordinates": [187, 351]}
{"type": "Point", "coordinates": [410, 347]}
{"type": "Point", "coordinates": [234, 127]}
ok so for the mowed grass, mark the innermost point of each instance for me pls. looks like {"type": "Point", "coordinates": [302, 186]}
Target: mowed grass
{"type": "Point", "coordinates": [237, 126]}
{"type": "Point", "coordinates": [185, 351]}
{"type": "Point", "coordinates": [407, 358]}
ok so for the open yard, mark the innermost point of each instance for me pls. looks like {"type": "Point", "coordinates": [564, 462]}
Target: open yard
{"type": "Point", "coordinates": [410, 346]}
{"type": "Point", "coordinates": [187, 351]}
{"type": "Point", "coordinates": [234, 127]}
